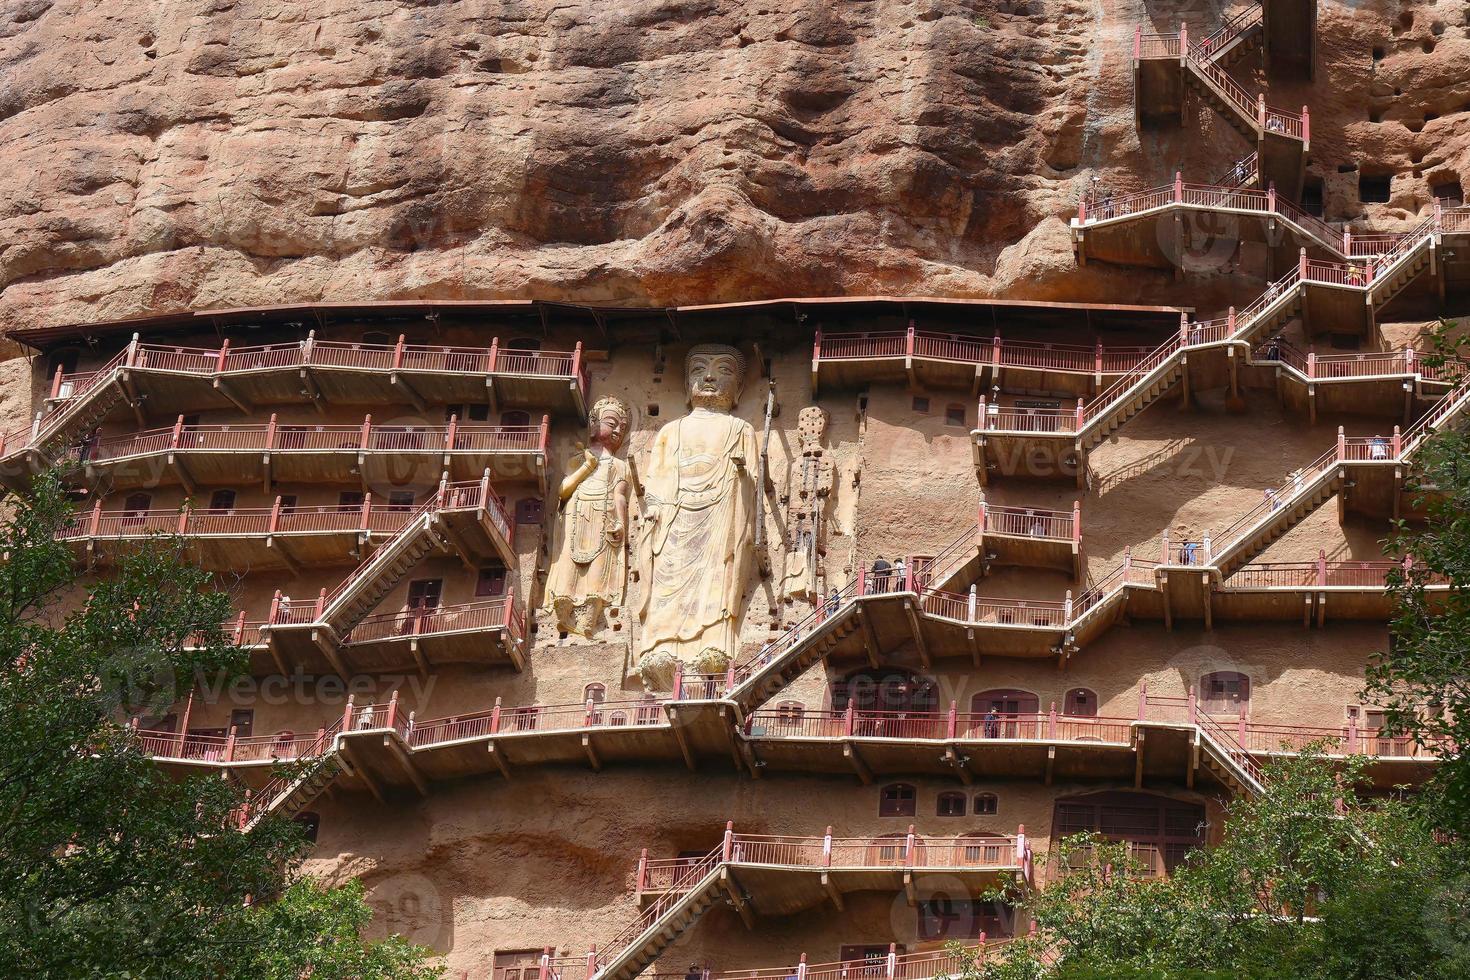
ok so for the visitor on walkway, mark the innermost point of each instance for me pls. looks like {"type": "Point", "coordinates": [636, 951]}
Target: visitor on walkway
{"type": "Point", "coordinates": [1190, 547]}
{"type": "Point", "coordinates": [1272, 502]}
{"type": "Point", "coordinates": [880, 575]}
{"type": "Point", "coordinates": [1378, 448]}
{"type": "Point", "coordinates": [899, 570]}
{"type": "Point", "coordinates": [991, 725]}
{"type": "Point", "coordinates": [695, 973]}
{"type": "Point", "coordinates": [833, 602]}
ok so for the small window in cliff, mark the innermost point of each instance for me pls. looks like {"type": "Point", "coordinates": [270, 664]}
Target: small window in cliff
{"type": "Point", "coordinates": [1312, 196]}
{"type": "Point", "coordinates": [921, 404]}
{"type": "Point", "coordinates": [986, 804]}
{"type": "Point", "coordinates": [896, 800]}
{"type": "Point", "coordinates": [522, 343]}
{"type": "Point", "coordinates": [378, 338]}
{"type": "Point", "coordinates": [310, 823]}
{"type": "Point", "coordinates": [64, 360]}
{"type": "Point", "coordinates": [1374, 188]}
{"type": "Point", "coordinates": [954, 415]}
{"type": "Point", "coordinates": [1447, 191]}
{"type": "Point", "coordinates": [530, 510]}
{"type": "Point", "coordinates": [596, 693]}
{"type": "Point", "coordinates": [950, 805]}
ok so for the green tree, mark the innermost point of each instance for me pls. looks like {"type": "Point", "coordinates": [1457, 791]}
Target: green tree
{"type": "Point", "coordinates": [111, 868]}
{"type": "Point", "coordinates": [1307, 882]}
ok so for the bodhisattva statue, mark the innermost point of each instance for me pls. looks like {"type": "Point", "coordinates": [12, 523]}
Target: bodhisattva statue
{"type": "Point", "coordinates": [811, 480]}
{"type": "Point", "coordinates": [698, 525]}
{"type": "Point", "coordinates": [590, 569]}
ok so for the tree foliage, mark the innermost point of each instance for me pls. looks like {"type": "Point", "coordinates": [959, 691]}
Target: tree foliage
{"type": "Point", "coordinates": [1306, 882]}
{"type": "Point", "coordinates": [111, 868]}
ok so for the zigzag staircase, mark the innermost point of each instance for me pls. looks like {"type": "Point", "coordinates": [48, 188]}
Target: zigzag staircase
{"type": "Point", "coordinates": [1282, 510]}
{"type": "Point", "coordinates": [289, 794]}
{"type": "Point", "coordinates": [641, 942]}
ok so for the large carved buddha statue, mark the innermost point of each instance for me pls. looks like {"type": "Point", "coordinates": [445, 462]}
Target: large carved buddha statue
{"type": "Point", "coordinates": [698, 525]}
{"type": "Point", "coordinates": [590, 567]}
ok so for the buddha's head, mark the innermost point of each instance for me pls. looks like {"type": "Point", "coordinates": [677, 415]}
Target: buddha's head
{"type": "Point", "coordinates": [715, 373]}
{"type": "Point", "coordinates": [607, 423]}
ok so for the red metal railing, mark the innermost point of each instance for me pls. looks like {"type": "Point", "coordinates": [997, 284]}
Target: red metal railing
{"type": "Point", "coordinates": [1027, 522]}
{"type": "Point", "coordinates": [501, 612]}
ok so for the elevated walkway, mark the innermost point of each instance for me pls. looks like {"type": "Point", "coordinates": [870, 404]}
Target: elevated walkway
{"type": "Point", "coordinates": [161, 381]}
{"type": "Point", "coordinates": [194, 456]}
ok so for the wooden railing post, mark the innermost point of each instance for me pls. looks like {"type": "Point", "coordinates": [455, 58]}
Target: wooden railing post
{"type": "Point", "coordinates": [908, 849]}
{"type": "Point", "coordinates": [1311, 364]}
{"type": "Point", "coordinates": [1164, 549]}
{"type": "Point", "coordinates": [677, 692]}
{"type": "Point", "coordinates": [1051, 722]}
{"type": "Point", "coordinates": [1142, 698]}
{"type": "Point", "coordinates": [816, 349]}
{"type": "Point", "coordinates": [1020, 843]}
{"type": "Point", "coordinates": [1067, 608]}
{"type": "Point", "coordinates": [392, 710]}
{"type": "Point", "coordinates": [449, 431]}
{"type": "Point", "coordinates": [495, 717]}
{"type": "Point", "coordinates": [908, 340]}
{"type": "Point", "coordinates": [1261, 110]}
{"type": "Point", "coordinates": [398, 353]}
{"type": "Point", "coordinates": [728, 848]}
{"type": "Point", "coordinates": [801, 968]}
{"type": "Point", "coordinates": [1192, 705]}
{"type": "Point", "coordinates": [96, 518]}
{"type": "Point", "coordinates": [224, 353]}
{"type": "Point", "coordinates": [1077, 523]}
{"type": "Point", "coordinates": [367, 510]}
{"type": "Point", "coordinates": [230, 745]}
{"type": "Point", "coordinates": [1097, 360]}
{"type": "Point", "coordinates": [1271, 196]}
{"type": "Point", "coordinates": [827, 848]}
{"type": "Point", "coordinates": [890, 969]}
{"type": "Point", "coordinates": [974, 603]}
{"type": "Point", "coordinates": [577, 361]}
{"type": "Point", "coordinates": [275, 607]}
{"type": "Point", "coordinates": [275, 516]}
{"type": "Point", "coordinates": [862, 580]}
{"type": "Point", "coordinates": [132, 358]}
{"type": "Point", "coordinates": [1077, 421]}
{"type": "Point", "coordinates": [587, 716]}
{"type": "Point", "coordinates": [184, 517]}
{"type": "Point", "coordinates": [952, 722]}
{"type": "Point", "coordinates": [1398, 443]}
{"type": "Point", "coordinates": [494, 353]}
{"type": "Point", "coordinates": [592, 960]}
{"type": "Point", "coordinates": [1301, 266]}
{"type": "Point", "coordinates": [56, 382]}
{"type": "Point", "coordinates": [321, 603]}
{"type": "Point", "coordinates": [544, 970]}
{"type": "Point", "coordinates": [730, 677]}
{"type": "Point", "coordinates": [347, 713]}
{"type": "Point", "coordinates": [1341, 444]}
{"type": "Point", "coordinates": [1306, 124]}
{"type": "Point", "coordinates": [367, 431]}
{"type": "Point", "coordinates": [545, 434]}
{"type": "Point", "coordinates": [240, 628]}
{"type": "Point", "coordinates": [1240, 727]}
{"type": "Point", "coordinates": [1178, 187]}
{"type": "Point", "coordinates": [1137, 41]}
{"type": "Point", "coordinates": [847, 719]}
{"type": "Point", "coordinates": [1321, 567]}
{"type": "Point", "coordinates": [1352, 743]}
{"type": "Point", "coordinates": [983, 513]}
{"type": "Point", "coordinates": [308, 346]}
{"type": "Point", "coordinates": [642, 882]}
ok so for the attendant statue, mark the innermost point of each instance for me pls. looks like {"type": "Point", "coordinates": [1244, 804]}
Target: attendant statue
{"type": "Point", "coordinates": [698, 527]}
{"type": "Point", "coordinates": [590, 567]}
{"type": "Point", "coordinates": [810, 487]}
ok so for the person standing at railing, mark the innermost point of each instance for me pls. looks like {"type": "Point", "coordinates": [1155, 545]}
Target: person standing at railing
{"type": "Point", "coordinates": [899, 571]}
{"type": "Point", "coordinates": [1378, 448]}
{"type": "Point", "coordinates": [880, 574]}
{"type": "Point", "coordinates": [833, 602]}
{"type": "Point", "coordinates": [1188, 553]}
{"type": "Point", "coordinates": [1272, 502]}
{"type": "Point", "coordinates": [1355, 275]}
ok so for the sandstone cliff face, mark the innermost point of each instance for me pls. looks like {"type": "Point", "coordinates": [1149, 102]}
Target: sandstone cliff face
{"type": "Point", "coordinates": [205, 153]}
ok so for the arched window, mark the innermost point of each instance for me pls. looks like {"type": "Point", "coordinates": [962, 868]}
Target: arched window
{"type": "Point", "coordinates": [1081, 702]}
{"type": "Point", "coordinates": [596, 693]}
{"type": "Point", "coordinates": [1162, 830]}
{"type": "Point", "coordinates": [950, 805]}
{"type": "Point", "coordinates": [310, 822]}
{"type": "Point", "coordinates": [1225, 692]}
{"type": "Point", "coordinates": [1002, 712]}
{"type": "Point", "coordinates": [897, 800]}
{"type": "Point", "coordinates": [378, 338]}
{"type": "Point", "coordinates": [789, 713]}
{"type": "Point", "coordinates": [986, 804]}
{"type": "Point", "coordinates": [515, 417]}
{"type": "Point", "coordinates": [135, 505]}
{"type": "Point", "coordinates": [522, 343]}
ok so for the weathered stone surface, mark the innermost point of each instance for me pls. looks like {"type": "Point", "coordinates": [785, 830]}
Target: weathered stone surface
{"type": "Point", "coordinates": [162, 156]}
